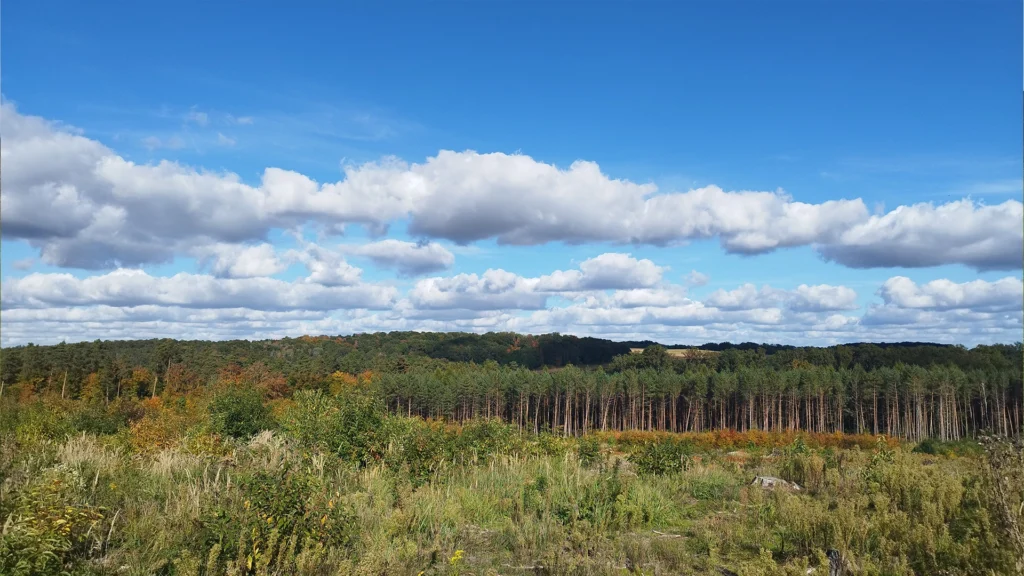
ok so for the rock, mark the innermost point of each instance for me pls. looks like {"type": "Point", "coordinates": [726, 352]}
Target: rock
{"type": "Point", "coordinates": [836, 565]}
{"type": "Point", "coordinates": [771, 482]}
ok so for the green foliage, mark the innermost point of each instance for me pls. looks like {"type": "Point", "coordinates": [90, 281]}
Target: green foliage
{"type": "Point", "coordinates": [47, 531]}
{"type": "Point", "coordinates": [239, 413]}
{"type": "Point", "coordinates": [588, 450]}
{"type": "Point", "coordinates": [350, 484]}
{"type": "Point", "coordinates": [665, 457]}
{"type": "Point", "coordinates": [936, 447]}
{"type": "Point", "coordinates": [350, 425]}
{"type": "Point", "coordinates": [283, 514]}
{"type": "Point", "coordinates": [35, 420]}
{"type": "Point", "coordinates": [96, 420]}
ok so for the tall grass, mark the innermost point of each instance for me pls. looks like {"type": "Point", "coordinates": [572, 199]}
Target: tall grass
{"type": "Point", "coordinates": [165, 494]}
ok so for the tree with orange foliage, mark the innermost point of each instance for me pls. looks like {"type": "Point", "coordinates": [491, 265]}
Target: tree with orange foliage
{"type": "Point", "coordinates": [180, 379]}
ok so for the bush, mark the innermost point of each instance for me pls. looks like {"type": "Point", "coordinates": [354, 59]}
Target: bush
{"type": "Point", "coordinates": [664, 457]}
{"type": "Point", "coordinates": [588, 449]}
{"type": "Point", "coordinates": [239, 413]}
{"type": "Point", "coordinates": [48, 532]}
{"type": "Point", "coordinates": [934, 447]}
{"type": "Point", "coordinates": [350, 425]}
{"type": "Point", "coordinates": [284, 513]}
{"type": "Point", "coordinates": [417, 448]}
{"type": "Point", "coordinates": [479, 440]}
{"type": "Point", "coordinates": [94, 419]}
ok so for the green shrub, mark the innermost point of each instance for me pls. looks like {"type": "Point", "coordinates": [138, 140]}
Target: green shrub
{"type": "Point", "coordinates": [284, 513]}
{"type": "Point", "coordinates": [417, 448]}
{"type": "Point", "coordinates": [94, 419]}
{"type": "Point", "coordinates": [588, 449]}
{"type": "Point", "coordinates": [353, 425]}
{"type": "Point", "coordinates": [934, 447]}
{"type": "Point", "coordinates": [805, 468]}
{"type": "Point", "coordinates": [664, 457]}
{"type": "Point", "coordinates": [36, 419]}
{"type": "Point", "coordinates": [710, 486]}
{"type": "Point", "coordinates": [481, 439]}
{"type": "Point", "coordinates": [239, 413]}
{"type": "Point", "coordinates": [48, 532]}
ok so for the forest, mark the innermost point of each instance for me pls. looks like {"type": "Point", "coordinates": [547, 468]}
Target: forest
{"type": "Point", "coordinates": [502, 454]}
{"type": "Point", "coordinates": [571, 385]}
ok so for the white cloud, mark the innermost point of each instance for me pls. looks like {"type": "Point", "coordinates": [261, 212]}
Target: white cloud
{"type": "Point", "coordinates": [1002, 295]}
{"type": "Point", "coordinates": [820, 298]}
{"type": "Point", "coordinates": [500, 290]}
{"type": "Point", "coordinates": [745, 297]}
{"type": "Point", "coordinates": [409, 258]}
{"type": "Point", "coordinates": [132, 304]}
{"type": "Point", "coordinates": [697, 279]}
{"type": "Point", "coordinates": [244, 120]}
{"type": "Point", "coordinates": [615, 271]}
{"type": "Point", "coordinates": [241, 261]}
{"type": "Point", "coordinates": [84, 206]}
{"type": "Point", "coordinates": [983, 237]}
{"type": "Point", "coordinates": [223, 140]}
{"type": "Point", "coordinates": [125, 287]}
{"type": "Point", "coordinates": [24, 263]}
{"type": "Point", "coordinates": [492, 290]}
{"type": "Point", "coordinates": [325, 266]}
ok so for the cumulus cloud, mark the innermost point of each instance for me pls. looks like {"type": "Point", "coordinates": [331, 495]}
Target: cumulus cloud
{"type": "Point", "coordinates": [499, 289]}
{"type": "Point", "coordinates": [615, 271]}
{"type": "Point", "coordinates": [492, 290]}
{"type": "Point", "coordinates": [24, 263]}
{"type": "Point", "coordinates": [980, 236]}
{"type": "Point", "coordinates": [133, 304]}
{"type": "Point", "coordinates": [820, 298]}
{"type": "Point", "coordinates": [1002, 295]}
{"type": "Point", "coordinates": [409, 258]}
{"type": "Point", "coordinates": [697, 279]}
{"type": "Point", "coordinates": [126, 287]}
{"type": "Point", "coordinates": [82, 205]}
{"type": "Point", "coordinates": [325, 266]}
{"type": "Point", "coordinates": [241, 261]}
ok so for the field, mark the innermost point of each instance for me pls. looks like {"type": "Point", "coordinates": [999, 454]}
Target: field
{"type": "Point", "coordinates": [224, 481]}
{"type": "Point", "coordinates": [680, 352]}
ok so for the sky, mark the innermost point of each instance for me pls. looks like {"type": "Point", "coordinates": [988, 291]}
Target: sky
{"type": "Point", "coordinates": [797, 172]}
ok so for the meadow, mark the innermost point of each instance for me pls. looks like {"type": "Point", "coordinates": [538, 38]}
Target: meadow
{"type": "Point", "coordinates": [231, 479]}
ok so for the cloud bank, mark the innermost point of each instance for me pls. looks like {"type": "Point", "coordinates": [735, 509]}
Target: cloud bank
{"type": "Point", "coordinates": [82, 205]}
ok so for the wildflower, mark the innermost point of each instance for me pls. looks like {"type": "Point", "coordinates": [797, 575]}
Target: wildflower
{"type": "Point", "coordinates": [456, 558]}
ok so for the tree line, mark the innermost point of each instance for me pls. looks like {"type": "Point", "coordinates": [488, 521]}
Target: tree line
{"type": "Point", "coordinates": [568, 384]}
{"type": "Point", "coordinates": [907, 401]}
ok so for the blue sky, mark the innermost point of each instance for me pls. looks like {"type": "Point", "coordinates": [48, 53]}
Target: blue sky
{"type": "Point", "coordinates": [895, 104]}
